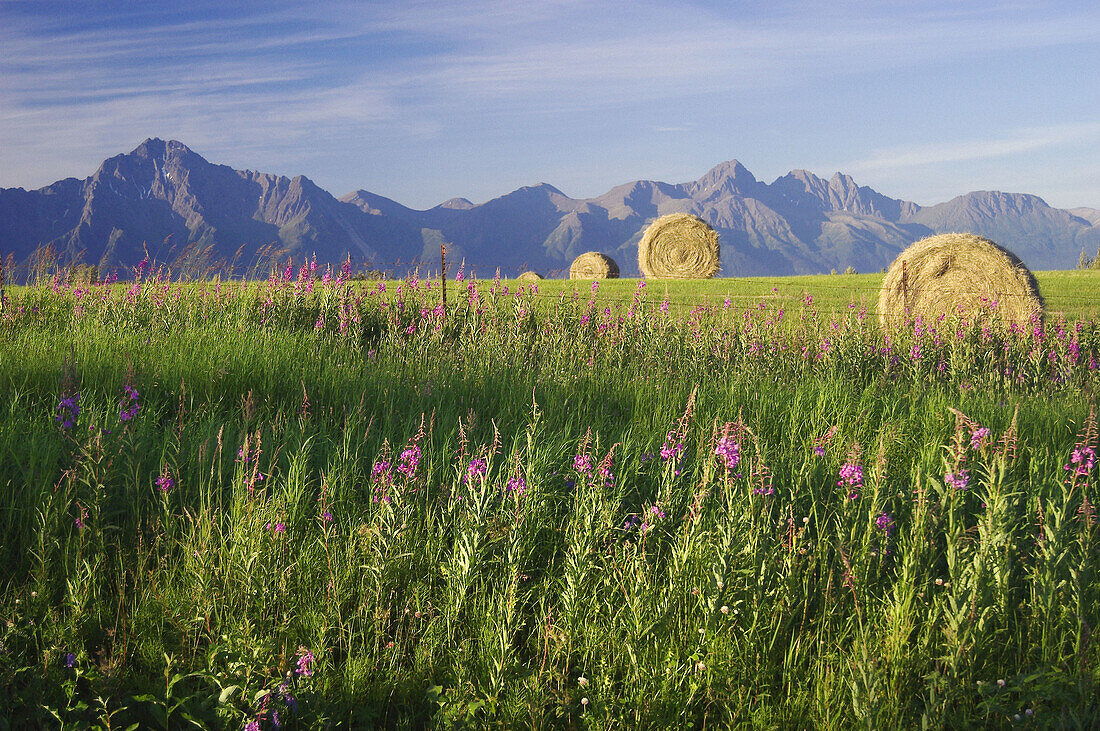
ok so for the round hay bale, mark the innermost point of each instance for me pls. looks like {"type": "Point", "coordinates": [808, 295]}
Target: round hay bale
{"type": "Point", "coordinates": [678, 246]}
{"type": "Point", "coordinates": [529, 276]}
{"type": "Point", "coordinates": [594, 265]}
{"type": "Point", "coordinates": [958, 275]}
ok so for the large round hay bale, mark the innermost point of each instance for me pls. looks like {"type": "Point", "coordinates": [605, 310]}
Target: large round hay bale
{"type": "Point", "coordinates": [529, 276]}
{"type": "Point", "coordinates": [678, 246]}
{"type": "Point", "coordinates": [958, 275]}
{"type": "Point", "coordinates": [594, 265]}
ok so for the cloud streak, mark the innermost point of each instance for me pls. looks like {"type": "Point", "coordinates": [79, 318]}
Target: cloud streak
{"type": "Point", "coordinates": [1012, 143]}
{"type": "Point", "coordinates": [285, 78]}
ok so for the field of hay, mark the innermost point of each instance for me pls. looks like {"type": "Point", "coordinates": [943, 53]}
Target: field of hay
{"type": "Point", "coordinates": [721, 503]}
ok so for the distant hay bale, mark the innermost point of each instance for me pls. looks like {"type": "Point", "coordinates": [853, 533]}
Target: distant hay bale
{"type": "Point", "coordinates": [529, 276]}
{"type": "Point", "coordinates": [594, 265]}
{"type": "Point", "coordinates": [962, 275]}
{"type": "Point", "coordinates": [678, 246]}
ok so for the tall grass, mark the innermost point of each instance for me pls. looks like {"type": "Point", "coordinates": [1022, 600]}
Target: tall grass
{"type": "Point", "coordinates": [303, 503]}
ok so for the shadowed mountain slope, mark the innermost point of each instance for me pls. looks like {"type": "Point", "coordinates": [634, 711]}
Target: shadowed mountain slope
{"type": "Point", "coordinates": [165, 199]}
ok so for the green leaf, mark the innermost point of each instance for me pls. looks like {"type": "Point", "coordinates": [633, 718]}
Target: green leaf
{"type": "Point", "coordinates": [227, 693]}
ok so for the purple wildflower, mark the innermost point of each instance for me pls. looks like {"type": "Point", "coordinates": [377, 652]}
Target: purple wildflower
{"type": "Point", "coordinates": [958, 480]}
{"type": "Point", "coordinates": [410, 459]}
{"type": "Point", "coordinates": [582, 463]}
{"type": "Point", "coordinates": [476, 469]}
{"type": "Point", "coordinates": [70, 659]}
{"type": "Point", "coordinates": [885, 523]}
{"type": "Point", "coordinates": [516, 485]}
{"type": "Point", "coordinates": [607, 475]}
{"type": "Point", "coordinates": [280, 527]}
{"type": "Point", "coordinates": [654, 513]}
{"type": "Point", "coordinates": [305, 658]}
{"type": "Point", "coordinates": [1081, 461]}
{"type": "Point", "coordinates": [381, 470]}
{"type": "Point", "coordinates": [128, 404]}
{"type": "Point", "coordinates": [822, 441]}
{"type": "Point", "coordinates": [851, 476]}
{"type": "Point", "coordinates": [80, 521]}
{"type": "Point", "coordinates": [978, 437]}
{"type": "Point", "coordinates": [326, 516]}
{"type": "Point", "coordinates": [68, 410]}
{"type": "Point", "coordinates": [730, 452]}
{"type": "Point", "coordinates": [165, 482]}
{"type": "Point", "coordinates": [672, 448]}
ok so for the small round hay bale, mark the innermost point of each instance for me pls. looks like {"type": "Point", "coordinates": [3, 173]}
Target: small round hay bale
{"type": "Point", "coordinates": [529, 276]}
{"type": "Point", "coordinates": [594, 265]}
{"type": "Point", "coordinates": [678, 246]}
{"type": "Point", "coordinates": [958, 275]}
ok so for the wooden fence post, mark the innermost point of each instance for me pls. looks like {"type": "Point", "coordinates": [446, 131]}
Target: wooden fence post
{"type": "Point", "coordinates": [443, 277]}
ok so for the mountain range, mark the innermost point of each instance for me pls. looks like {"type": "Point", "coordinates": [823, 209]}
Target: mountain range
{"type": "Point", "coordinates": [166, 201]}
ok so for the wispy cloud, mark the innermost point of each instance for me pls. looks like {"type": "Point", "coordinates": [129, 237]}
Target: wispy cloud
{"type": "Point", "coordinates": [659, 51]}
{"type": "Point", "coordinates": [1010, 143]}
{"type": "Point", "coordinates": [279, 80]}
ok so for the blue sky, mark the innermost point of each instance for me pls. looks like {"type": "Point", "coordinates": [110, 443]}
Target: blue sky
{"type": "Point", "coordinates": [424, 101]}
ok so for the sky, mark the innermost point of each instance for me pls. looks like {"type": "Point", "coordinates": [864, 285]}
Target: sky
{"type": "Point", "coordinates": [425, 101]}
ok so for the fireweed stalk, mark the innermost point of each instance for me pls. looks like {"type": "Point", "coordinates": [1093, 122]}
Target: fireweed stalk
{"type": "Point", "coordinates": [433, 590]}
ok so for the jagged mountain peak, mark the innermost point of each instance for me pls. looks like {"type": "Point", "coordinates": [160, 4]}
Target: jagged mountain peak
{"type": "Point", "coordinates": [804, 176]}
{"type": "Point", "coordinates": [456, 204]}
{"type": "Point", "coordinates": [997, 197]}
{"type": "Point", "coordinates": [1092, 215]}
{"type": "Point", "coordinates": [538, 188]}
{"type": "Point", "coordinates": [802, 186]}
{"type": "Point", "coordinates": [306, 184]}
{"type": "Point", "coordinates": [843, 180]}
{"type": "Point", "coordinates": [729, 169]}
{"type": "Point", "coordinates": [538, 194]}
{"type": "Point", "coordinates": [990, 203]}
{"type": "Point", "coordinates": [156, 147]}
{"type": "Point", "coordinates": [730, 177]}
{"type": "Point", "coordinates": [154, 162]}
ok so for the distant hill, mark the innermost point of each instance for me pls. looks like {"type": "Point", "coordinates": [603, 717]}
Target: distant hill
{"type": "Point", "coordinates": [165, 199]}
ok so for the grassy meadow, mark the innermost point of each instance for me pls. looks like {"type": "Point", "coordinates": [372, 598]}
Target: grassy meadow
{"type": "Point", "coordinates": [735, 503]}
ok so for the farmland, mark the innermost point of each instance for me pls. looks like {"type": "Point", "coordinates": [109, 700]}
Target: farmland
{"type": "Point", "coordinates": [614, 504]}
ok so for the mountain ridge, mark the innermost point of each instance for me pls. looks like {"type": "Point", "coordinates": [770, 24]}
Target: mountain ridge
{"type": "Point", "coordinates": [167, 201]}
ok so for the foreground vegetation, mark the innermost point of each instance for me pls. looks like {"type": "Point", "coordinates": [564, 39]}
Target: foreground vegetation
{"type": "Point", "coordinates": [300, 503]}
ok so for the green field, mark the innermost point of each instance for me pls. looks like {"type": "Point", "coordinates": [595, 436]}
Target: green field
{"type": "Point", "coordinates": [303, 504]}
{"type": "Point", "coordinates": [1073, 294]}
